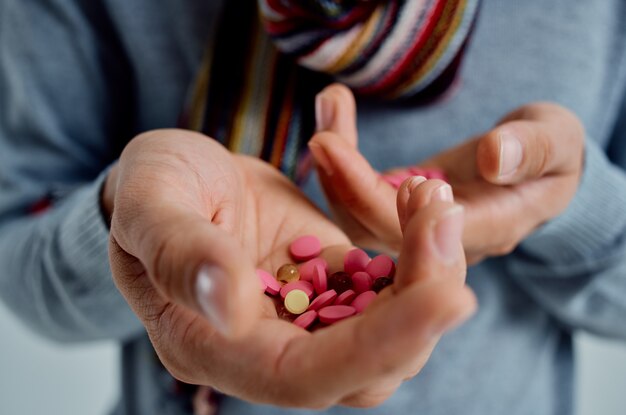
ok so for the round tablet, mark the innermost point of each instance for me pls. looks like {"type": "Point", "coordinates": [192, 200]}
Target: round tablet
{"type": "Point", "coordinates": [380, 283]}
{"type": "Point", "coordinates": [305, 286]}
{"type": "Point", "coordinates": [305, 248]}
{"type": "Point", "coordinates": [345, 298]}
{"type": "Point", "coordinates": [361, 282]}
{"type": "Point", "coordinates": [362, 300]}
{"type": "Point", "coordinates": [270, 284]}
{"type": "Point", "coordinates": [381, 266]}
{"type": "Point", "coordinates": [304, 320]}
{"type": "Point", "coordinates": [320, 281]}
{"type": "Point", "coordinates": [306, 269]}
{"type": "Point", "coordinates": [335, 313]}
{"type": "Point", "coordinates": [296, 302]}
{"type": "Point", "coordinates": [323, 300]}
{"type": "Point", "coordinates": [355, 260]}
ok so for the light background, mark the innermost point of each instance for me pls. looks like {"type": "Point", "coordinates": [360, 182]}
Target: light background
{"type": "Point", "coordinates": [38, 377]}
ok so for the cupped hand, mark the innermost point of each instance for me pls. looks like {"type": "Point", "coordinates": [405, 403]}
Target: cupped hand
{"type": "Point", "coordinates": [511, 179]}
{"type": "Point", "coordinates": [190, 224]}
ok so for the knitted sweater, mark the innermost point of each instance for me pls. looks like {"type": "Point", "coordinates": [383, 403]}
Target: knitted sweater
{"type": "Point", "coordinates": [78, 79]}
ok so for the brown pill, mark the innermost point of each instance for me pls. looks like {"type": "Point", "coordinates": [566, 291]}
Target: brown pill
{"type": "Point", "coordinates": [380, 283]}
{"type": "Point", "coordinates": [288, 273]}
{"type": "Point", "coordinates": [340, 282]}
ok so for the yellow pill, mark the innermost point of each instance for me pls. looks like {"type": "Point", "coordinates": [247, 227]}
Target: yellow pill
{"type": "Point", "coordinates": [288, 273]}
{"type": "Point", "coordinates": [296, 301]}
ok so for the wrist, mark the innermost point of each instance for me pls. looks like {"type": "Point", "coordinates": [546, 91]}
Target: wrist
{"type": "Point", "coordinates": [107, 195]}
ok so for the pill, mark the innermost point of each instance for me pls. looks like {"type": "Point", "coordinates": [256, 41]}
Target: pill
{"type": "Point", "coordinates": [270, 284]}
{"type": "Point", "coordinates": [306, 269]}
{"type": "Point", "coordinates": [296, 301]}
{"type": "Point", "coordinates": [320, 280]}
{"type": "Point", "coordinates": [428, 173]}
{"type": "Point", "coordinates": [335, 313]}
{"type": "Point", "coordinates": [305, 248]}
{"type": "Point", "coordinates": [361, 282]}
{"type": "Point", "coordinates": [381, 266]}
{"type": "Point", "coordinates": [288, 273]}
{"type": "Point", "coordinates": [380, 283]}
{"type": "Point", "coordinates": [355, 260]}
{"type": "Point", "coordinates": [323, 300]}
{"type": "Point", "coordinates": [362, 300]}
{"type": "Point", "coordinates": [305, 286]}
{"type": "Point", "coordinates": [304, 320]}
{"type": "Point", "coordinates": [396, 180]}
{"type": "Point", "coordinates": [345, 298]}
{"type": "Point", "coordinates": [340, 282]}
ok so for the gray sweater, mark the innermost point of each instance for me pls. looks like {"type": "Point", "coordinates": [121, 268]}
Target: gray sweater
{"type": "Point", "coordinates": [78, 79]}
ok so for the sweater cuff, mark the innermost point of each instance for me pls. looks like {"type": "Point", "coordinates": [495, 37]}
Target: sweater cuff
{"type": "Point", "coordinates": [84, 239]}
{"type": "Point", "coordinates": [594, 223]}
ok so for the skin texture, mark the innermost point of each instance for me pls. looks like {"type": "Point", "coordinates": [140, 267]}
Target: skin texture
{"type": "Point", "coordinates": [180, 201]}
{"type": "Point", "coordinates": [501, 209]}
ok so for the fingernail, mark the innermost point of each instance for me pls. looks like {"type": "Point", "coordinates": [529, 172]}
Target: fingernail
{"type": "Point", "coordinates": [414, 182]}
{"type": "Point", "coordinates": [323, 112]}
{"type": "Point", "coordinates": [447, 234]}
{"type": "Point", "coordinates": [212, 296]}
{"type": "Point", "coordinates": [443, 194]}
{"type": "Point", "coordinates": [510, 154]}
{"type": "Point", "coordinates": [321, 158]}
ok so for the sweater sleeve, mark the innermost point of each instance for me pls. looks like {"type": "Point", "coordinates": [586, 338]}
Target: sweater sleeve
{"type": "Point", "coordinates": [575, 265]}
{"type": "Point", "coordinates": [63, 109]}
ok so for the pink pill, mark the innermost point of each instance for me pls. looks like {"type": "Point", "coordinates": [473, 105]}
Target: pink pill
{"type": "Point", "coordinates": [396, 180]}
{"type": "Point", "coordinates": [306, 319]}
{"type": "Point", "coordinates": [381, 266]}
{"type": "Point", "coordinates": [428, 173]}
{"type": "Point", "coordinates": [335, 313]}
{"type": "Point", "coordinates": [306, 269]}
{"type": "Point", "coordinates": [355, 260]}
{"type": "Point", "coordinates": [305, 286]}
{"type": "Point", "coordinates": [345, 298]}
{"type": "Point", "coordinates": [320, 280]}
{"type": "Point", "coordinates": [305, 248]}
{"type": "Point", "coordinates": [361, 282]}
{"type": "Point", "coordinates": [323, 300]}
{"type": "Point", "coordinates": [270, 284]}
{"type": "Point", "coordinates": [363, 300]}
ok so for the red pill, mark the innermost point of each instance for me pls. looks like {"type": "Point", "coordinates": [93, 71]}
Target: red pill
{"type": "Point", "coordinates": [335, 313]}
{"type": "Point", "coordinates": [361, 282]}
{"type": "Point", "coordinates": [271, 285]}
{"type": "Point", "coordinates": [380, 283]}
{"type": "Point", "coordinates": [395, 180]}
{"type": "Point", "coordinates": [320, 280]}
{"type": "Point", "coordinates": [361, 302]}
{"type": "Point", "coordinates": [306, 269]}
{"type": "Point", "coordinates": [306, 319]}
{"type": "Point", "coordinates": [345, 298]}
{"type": "Point", "coordinates": [340, 282]}
{"type": "Point", "coordinates": [323, 300]}
{"type": "Point", "coordinates": [305, 248]}
{"type": "Point", "coordinates": [381, 266]}
{"type": "Point", "coordinates": [305, 286]}
{"type": "Point", "coordinates": [355, 260]}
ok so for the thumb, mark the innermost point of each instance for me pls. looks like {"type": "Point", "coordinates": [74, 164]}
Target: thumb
{"type": "Point", "coordinates": [194, 263]}
{"type": "Point", "coordinates": [432, 245]}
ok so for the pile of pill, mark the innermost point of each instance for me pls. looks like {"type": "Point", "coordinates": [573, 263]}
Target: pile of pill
{"type": "Point", "coordinates": [310, 295]}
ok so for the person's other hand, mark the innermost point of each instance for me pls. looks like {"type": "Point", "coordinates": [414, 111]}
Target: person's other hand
{"type": "Point", "coordinates": [190, 224]}
{"type": "Point", "coordinates": [511, 179]}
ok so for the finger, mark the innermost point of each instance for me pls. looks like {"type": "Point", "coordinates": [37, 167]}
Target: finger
{"type": "Point", "coordinates": [194, 263]}
{"type": "Point", "coordinates": [425, 192]}
{"type": "Point", "coordinates": [355, 186]}
{"type": "Point", "coordinates": [335, 111]}
{"type": "Point", "coordinates": [544, 139]}
{"type": "Point", "coordinates": [360, 352]}
{"type": "Point", "coordinates": [432, 246]}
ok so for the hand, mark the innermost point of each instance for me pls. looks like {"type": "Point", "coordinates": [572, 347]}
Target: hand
{"type": "Point", "coordinates": [511, 179]}
{"type": "Point", "coordinates": [190, 224]}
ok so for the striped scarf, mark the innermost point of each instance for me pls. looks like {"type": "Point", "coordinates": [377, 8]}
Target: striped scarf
{"type": "Point", "coordinates": [255, 89]}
